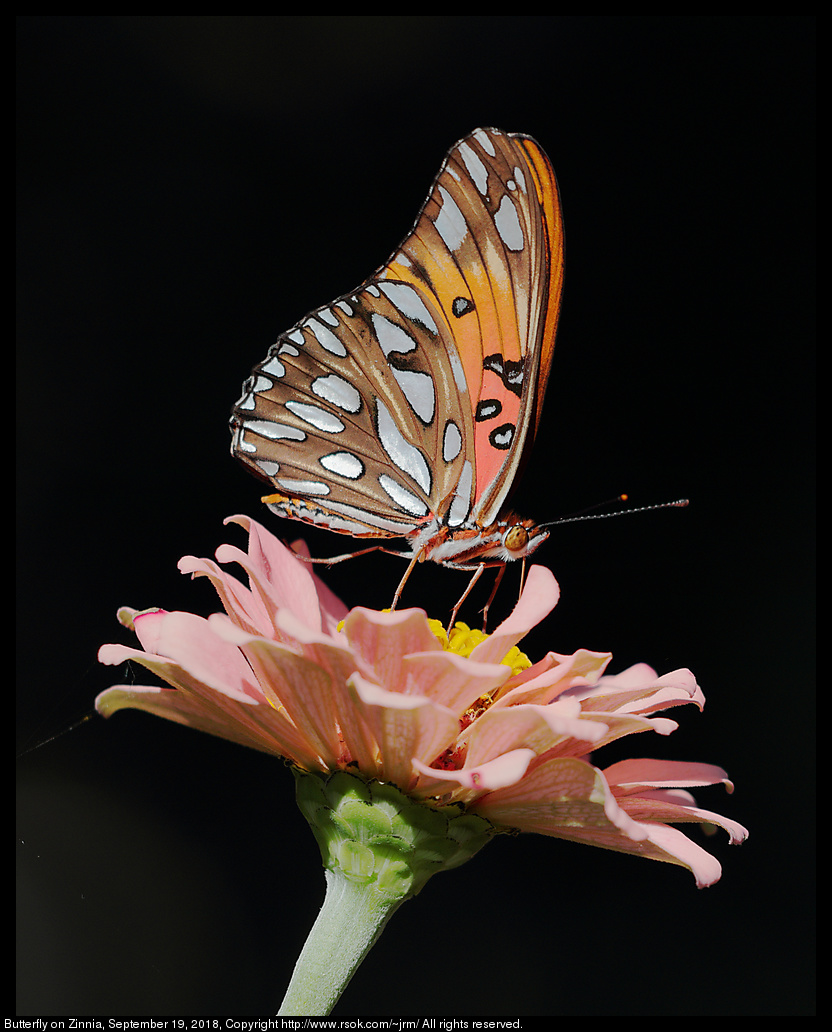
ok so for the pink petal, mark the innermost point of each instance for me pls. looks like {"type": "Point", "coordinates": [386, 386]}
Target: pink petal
{"type": "Point", "coordinates": [670, 845]}
{"type": "Point", "coordinates": [333, 655]}
{"type": "Point", "coordinates": [125, 615]}
{"type": "Point", "coordinates": [292, 631]}
{"type": "Point", "coordinates": [237, 719]}
{"type": "Point", "coordinates": [190, 642]}
{"type": "Point", "coordinates": [634, 775]}
{"type": "Point", "coordinates": [569, 799]}
{"type": "Point", "coordinates": [406, 727]}
{"type": "Point", "coordinates": [173, 673]}
{"type": "Point", "coordinates": [215, 676]}
{"type": "Point", "coordinates": [616, 725]}
{"type": "Point", "coordinates": [280, 578]}
{"type": "Point", "coordinates": [635, 676]}
{"type": "Point", "coordinates": [539, 728]}
{"type": "Point", "coordinates": [450, 680]}
{"type": "Point", "coordinates": [656, 809]}
{"type": "Point", "coordinates": [294, 685]}
{"type": "Point", "coordinates": [382, 640]}
{"type": "Point", "coordinates": [333, 704]}
{"type": "Point", "coordinates": [497, 773]}
{"type": "Point", "coordinates": [330, 651]}
{"type": "Point", "coordinates": [182, 709]}
{"type": "Point", "coordinates": [561, 796]}
{"type": "Point", "coordinates": [333, 609]}
{"type": "Point", "coordinates": [539, 598]}
{"type": "Point", "coordinates": [640, 690]}
{"type": "Point", "coordinates": [554, 678]}
{"type": "Point", "coordinates": [146, 625]}
{"type": "Point", "coordinates": [244, 607]}
{"type": "Point", "coordinates": [113, 655]}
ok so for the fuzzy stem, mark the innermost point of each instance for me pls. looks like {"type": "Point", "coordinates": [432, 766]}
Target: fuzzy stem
{"type": "Point", "coordinates": [351, 919]}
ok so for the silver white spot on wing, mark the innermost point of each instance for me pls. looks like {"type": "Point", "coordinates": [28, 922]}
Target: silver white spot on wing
{"type": "Point", "coordinates": [306, 487]}
{"type": "Point", "coordinates": [261, 383]}
{"type": "Point", "coordinates": [484, 140]}
{"type": "Point", "coordinates": [460, 506]}
{"type": "Point", "coordinates": [240, 444]}
{"type": "Point", "coordinates": [475, 168]}
{"type": "Point", "coordinates": [451, 442]}
{"type": "Point", "coordinates": [274, 367]}
{"type": "Point", "coordinates": [328, 316]}
{"type": "Point", "coordinates": [326, 338]}
{"type": "Point", "coordinates": [417, 387]}
{"type": "Point", "coordinates": [268, 467]}
{"type": "Point", "coordinates": [273, 430]}
{"type": "Point", "coordinates": [408, 302]}
{"type": "Point", "coordinates": [391, 336]}
{"type": "Point", "coordinates": [364, 519]}
{"type": "Point", "coordinates": [508, 224]}
{"type": "Point", "coordinates": [317, 417]}
{"type": "Point", "coordinates": [401, 453]}
{"type": "Point", "coordinates": [337, 391]}
{"type": "Point", "coordinates": [458, 371]}
{"type": "Point", "coordinates": [402, 497]}
{"type": "Point", "coordinates": [418, 390]}
{"type": "Point", "coordinates": [345, 464]}
{"type": "Point", "coordinates": [450, 222]}
{"type": "Point", "coordinates": [253, 385]}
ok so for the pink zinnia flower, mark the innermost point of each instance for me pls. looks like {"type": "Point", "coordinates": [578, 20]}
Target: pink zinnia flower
{"type": "Point", "coordinates": [467, 727]}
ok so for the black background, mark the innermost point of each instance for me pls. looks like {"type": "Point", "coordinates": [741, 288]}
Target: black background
{"type": "Point", "coordinates": [191, 186]}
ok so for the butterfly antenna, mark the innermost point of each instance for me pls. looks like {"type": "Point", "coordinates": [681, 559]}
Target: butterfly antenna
{"type": "Point", "coordinates": [680, 503]}
{"type": "Point", "coordinates": [598, 505]}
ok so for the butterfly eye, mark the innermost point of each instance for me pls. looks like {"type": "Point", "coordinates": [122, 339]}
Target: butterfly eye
{"type": "Point", "coordinates": [516, 539]}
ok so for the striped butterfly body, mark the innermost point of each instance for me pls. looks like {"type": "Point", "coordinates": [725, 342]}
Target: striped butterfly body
{"type": "Point", "coordinates": [407, 407]}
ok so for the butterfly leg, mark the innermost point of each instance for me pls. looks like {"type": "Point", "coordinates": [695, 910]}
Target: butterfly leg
{"type": "Point", "coordinates": [340, 558]}
{"type": "Point", "coordinates": [465, 595]}
{"type": "Point", "coordinates": [416, 558]}
{"type": "Point", "coordinates": [500, 573]}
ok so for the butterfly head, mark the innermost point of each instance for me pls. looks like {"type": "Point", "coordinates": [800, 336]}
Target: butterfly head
{"type": "Point", "coordinates": [513, 538]}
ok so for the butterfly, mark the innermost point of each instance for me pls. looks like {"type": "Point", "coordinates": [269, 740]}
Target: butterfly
{"type": "Point", "coordinates": [408, 407]}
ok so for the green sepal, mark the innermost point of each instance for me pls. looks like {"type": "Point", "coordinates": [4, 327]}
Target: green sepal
{"type": "Point", "coordinates": [372, 833]}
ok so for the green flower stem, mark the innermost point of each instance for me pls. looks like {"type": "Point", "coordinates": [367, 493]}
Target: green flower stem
{"type": "Point", "coordinates": [379, 847]}
{"type": "Point", "coordinates": [351, 919]}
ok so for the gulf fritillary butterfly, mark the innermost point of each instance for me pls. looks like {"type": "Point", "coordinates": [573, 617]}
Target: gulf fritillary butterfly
{"type": "Point", "coordinates": [408, 407]}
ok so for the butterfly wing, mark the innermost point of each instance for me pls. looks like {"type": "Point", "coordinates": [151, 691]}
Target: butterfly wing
{"type": "Point", "coordinates": [412, 401]}
{"type": "Point", "coordinates": [488, 247]}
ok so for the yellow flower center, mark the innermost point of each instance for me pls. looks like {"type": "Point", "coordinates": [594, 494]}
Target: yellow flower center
{"type": "Point", "coordinates": [464, 640]}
